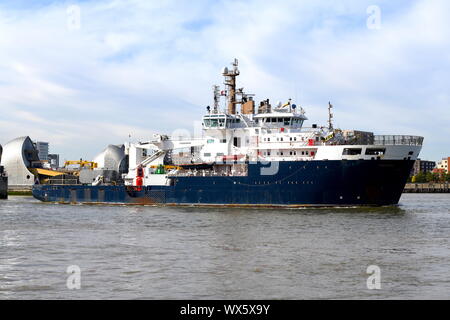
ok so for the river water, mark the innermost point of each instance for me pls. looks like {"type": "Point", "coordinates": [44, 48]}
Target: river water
{"type": "Point", "coordinates": [144, 252]}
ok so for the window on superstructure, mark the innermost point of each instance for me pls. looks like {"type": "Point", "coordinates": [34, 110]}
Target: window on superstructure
{"type": "Point", "coordinates": [207, 154]}
{"type": "Point", "coordinates": [287, 121]}
{"type": "Point", "coordinates": [375, 151]}
{"type": "Point", "coordinates": [351, 151]}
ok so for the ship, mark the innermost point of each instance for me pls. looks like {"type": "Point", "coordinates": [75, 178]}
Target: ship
{"type": "Point", "coordinates": [255, 155]}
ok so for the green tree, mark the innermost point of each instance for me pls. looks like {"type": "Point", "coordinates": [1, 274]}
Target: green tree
{"type": "Point", "coordinates": [420, 177]}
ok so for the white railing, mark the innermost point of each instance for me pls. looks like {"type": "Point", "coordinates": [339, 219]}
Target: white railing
{"type": "Point", "coordinates": [398, 140]}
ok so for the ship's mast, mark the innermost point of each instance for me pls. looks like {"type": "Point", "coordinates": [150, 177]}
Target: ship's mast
{"type": "Point", "coordinates": [230, 83]}
{"type": "Point", "coordinates": [330, 116]}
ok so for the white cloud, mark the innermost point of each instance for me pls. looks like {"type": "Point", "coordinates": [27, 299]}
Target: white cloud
{"type": "Point", "coordinates": [148, 66]}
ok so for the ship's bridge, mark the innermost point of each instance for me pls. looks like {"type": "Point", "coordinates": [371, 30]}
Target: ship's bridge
{"type": "Point", "coordinates": [280, 119]}
{"type": "Point", "coordinates": [216, 121]}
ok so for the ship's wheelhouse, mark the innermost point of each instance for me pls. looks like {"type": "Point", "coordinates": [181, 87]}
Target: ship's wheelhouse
{"type": "Point", "coordinates": [215, 121]}
{"type": "Point", "coordinates": [280, 120]}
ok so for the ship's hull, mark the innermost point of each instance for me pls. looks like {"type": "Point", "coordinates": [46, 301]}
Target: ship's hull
{"type": "Point", "coordinates": [299, 183]}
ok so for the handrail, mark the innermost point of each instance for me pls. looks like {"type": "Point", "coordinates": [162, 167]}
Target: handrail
{"type": "Point", "coordinates": [398, 140]}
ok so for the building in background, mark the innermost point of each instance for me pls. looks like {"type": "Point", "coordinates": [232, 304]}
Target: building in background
{"type": "Point", "coordinates": [42, 148]}
{"type": "Point", "coordinates": [423, 166]}
{"type": "Point", "coordinates": [443, 165]}
{"type": "Point", "coordinates": [53, 160]}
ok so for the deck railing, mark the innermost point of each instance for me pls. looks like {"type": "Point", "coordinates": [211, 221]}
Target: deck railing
{"type": "Point", "coordinates": [63, 181]}
{"type": "Point", "coordinates": [398, 140]}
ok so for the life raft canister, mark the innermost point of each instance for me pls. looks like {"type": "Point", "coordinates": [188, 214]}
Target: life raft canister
{"type": "Point", "coordinates": [139, 178]}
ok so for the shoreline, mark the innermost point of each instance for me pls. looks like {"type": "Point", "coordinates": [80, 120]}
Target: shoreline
{"type": "Point", "coordinates": [427, 188]}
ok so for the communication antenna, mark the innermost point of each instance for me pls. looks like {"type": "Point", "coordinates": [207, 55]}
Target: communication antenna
{"type": "Point", "coordinates": [330, 116]}
{"type": "Point", "coordinates": [216, 99]}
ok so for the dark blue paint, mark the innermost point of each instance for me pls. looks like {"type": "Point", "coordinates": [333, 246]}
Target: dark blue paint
{"type": "Point", "coordinates": [359, 182]}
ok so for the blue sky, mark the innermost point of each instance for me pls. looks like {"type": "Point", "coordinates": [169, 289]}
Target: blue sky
{"type": "Point", "coordinates": [140, 67]}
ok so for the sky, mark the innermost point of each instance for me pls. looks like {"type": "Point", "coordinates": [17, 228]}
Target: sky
{"type": "Point", "coordinates": [84, 74]}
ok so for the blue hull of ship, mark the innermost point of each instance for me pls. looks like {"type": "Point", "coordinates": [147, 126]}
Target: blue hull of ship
{"type": "Point", "coordinates": [299, 183]}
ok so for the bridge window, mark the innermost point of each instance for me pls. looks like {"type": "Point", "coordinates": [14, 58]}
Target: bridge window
{"type": "Point", "coordinates": [351, 151]}
{"type": "Point", "coordinates": [375, 151]}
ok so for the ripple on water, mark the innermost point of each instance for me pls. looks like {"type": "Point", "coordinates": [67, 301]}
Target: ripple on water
{"type": "Point", "coordinates": [224, 253]}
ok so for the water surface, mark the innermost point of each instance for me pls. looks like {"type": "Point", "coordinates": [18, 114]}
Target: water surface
{"type": "Point", "coordinates": [144, 252]}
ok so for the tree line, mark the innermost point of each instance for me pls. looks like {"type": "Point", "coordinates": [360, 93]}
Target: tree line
{"type": "Point", "coordinates": [423, 177]}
